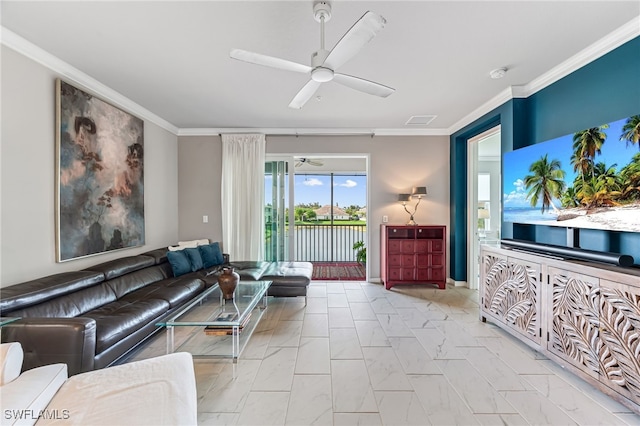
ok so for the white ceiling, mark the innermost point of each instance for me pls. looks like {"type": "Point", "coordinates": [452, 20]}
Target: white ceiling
{"type": "Point", "coordinates": [172, 58]}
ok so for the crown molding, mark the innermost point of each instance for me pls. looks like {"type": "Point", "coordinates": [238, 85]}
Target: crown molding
{"type": "Point", "coordinates": [598, 49]}
{"type": "Point", "coordinates": [77, 77]}
{"type": "Point", "coordinates": [613, 40]}
{"type": "Point", "coordinates": [314, 131]}
{"type": "Point", "coordinates": [502, 97]}
{"type": "Point", "coordinates": [74, 75]}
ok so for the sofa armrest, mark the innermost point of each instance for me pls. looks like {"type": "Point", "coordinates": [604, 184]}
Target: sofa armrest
{"type": "Point", "coordinates": [27, 396]}
{"type": "Point", "coordinates": [155, 391]}
{"type": "Point", "coordinates": [55, 340]}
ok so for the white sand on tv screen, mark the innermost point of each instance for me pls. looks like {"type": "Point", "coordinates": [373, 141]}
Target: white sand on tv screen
{"type": "Point", "coordinates": [619, 218]}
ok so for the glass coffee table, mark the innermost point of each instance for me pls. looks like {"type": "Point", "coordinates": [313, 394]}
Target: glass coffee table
{"type": "Point", "coordinates": [211, 327]}
{"type": "Point", "coordinates": [8, 320]}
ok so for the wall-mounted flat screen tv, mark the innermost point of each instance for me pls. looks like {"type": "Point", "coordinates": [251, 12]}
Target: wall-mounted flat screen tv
{"type": "Point", "coordinates": [588, 179]}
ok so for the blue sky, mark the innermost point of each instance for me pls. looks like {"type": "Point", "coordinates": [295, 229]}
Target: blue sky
{"type": "Point", "coordinates": [516, 163]}
{"type": "Point", "coordinates": [347, 190]}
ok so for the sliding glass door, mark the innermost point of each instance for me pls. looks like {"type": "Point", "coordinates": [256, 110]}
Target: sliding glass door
{"type": "Point", "coordinates": [276, 209]}
{"type": "Point", "coordinates": [315, 209]}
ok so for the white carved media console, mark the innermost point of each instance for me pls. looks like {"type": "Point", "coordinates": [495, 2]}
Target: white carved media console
{"type": "Point", "coordinates": [583, 315]}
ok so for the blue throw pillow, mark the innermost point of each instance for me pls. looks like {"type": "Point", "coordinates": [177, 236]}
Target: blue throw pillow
{"type": "Point", "coordinates": [217, 253]}
{"type": "Point", "coordinates": [211, 255]}
{"type": "Point", "coordinates": [208, 256]}
{"type": "Point", "coordinates": [179, 262]}
{"type": "Point", "coordinates": [194, 258]}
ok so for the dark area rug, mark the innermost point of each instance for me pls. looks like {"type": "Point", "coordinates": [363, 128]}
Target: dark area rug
{"type": "Point", "coordinates": [343, 271]}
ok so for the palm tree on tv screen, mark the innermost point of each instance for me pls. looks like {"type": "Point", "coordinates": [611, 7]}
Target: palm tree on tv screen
{"type": "Point", "coordinates": [569, 198]}
{"type": "Point", "coordinates": [630, 175]}
{"type": "Point", "coordinates": [604, 188]}
{"type": "Point", "coordinates": [631, 131]}
{"type": "Point", "coordinates": [586, 145]}
{"type": "Point", "coordinates": [545, 182]}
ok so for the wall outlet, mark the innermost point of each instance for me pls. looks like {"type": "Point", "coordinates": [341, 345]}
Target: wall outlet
{"type": "Point", "coordinates": [205, 219]}
{"type": "Point", "coordinates": [385, 219]}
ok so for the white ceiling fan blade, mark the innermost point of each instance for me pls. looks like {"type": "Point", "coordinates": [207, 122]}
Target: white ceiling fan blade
{"type": "Point", "coordinates": [363, 85]}
{"type": "Point", "coordinates": [315, 163]}
{"type": "Point", "coordinates": [269, 61]}
{"type": "Point", "coordinates": [304, 94]}
{"type": "Point", "coordinates": [358, 35]}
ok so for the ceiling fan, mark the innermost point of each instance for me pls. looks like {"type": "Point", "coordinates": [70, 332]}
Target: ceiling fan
{"type": "Point", "coordinates": [325, 62]}
{"type": "Point", "coordinates": [308, 161]}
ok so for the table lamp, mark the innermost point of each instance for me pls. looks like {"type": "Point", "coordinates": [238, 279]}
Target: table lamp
{"type": "Point", "coordinates": [417, 192]}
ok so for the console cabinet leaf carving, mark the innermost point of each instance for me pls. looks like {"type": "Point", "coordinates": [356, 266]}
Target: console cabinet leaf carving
{"type": "Point", "coordinates": [582, 315]}
{"type": "Point", "coordinates": [511, 293]}
{"type": "Point", "coordinates": [574, 320]}
{"type": "Point", "coordinates": [620, 336]}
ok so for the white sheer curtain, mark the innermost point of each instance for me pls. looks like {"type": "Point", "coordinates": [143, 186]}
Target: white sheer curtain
{"type": "Point", "coordinates": [243, 196]}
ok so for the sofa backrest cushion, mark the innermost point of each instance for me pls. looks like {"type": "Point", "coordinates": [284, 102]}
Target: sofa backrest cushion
{"type": "Point", "coordinates": [118, 267]}
{"type": "Point", "coordinates": [160, 255]}
{"type": "Point", "coordinates": [127, 283]}
{"type": "Point", "coordinates": [72, 304]}
{"type": "Point", "coordinates": [34, 292]}
{"type": "Point", "coordinates": [167, 272]}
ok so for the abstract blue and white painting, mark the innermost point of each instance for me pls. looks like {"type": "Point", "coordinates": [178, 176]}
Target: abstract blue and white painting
{"type": "Point", "coordinates": [99, 175]}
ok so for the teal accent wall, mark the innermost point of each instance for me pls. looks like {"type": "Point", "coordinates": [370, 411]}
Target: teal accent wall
{"type": "Point", "coordinates": [604, 90]}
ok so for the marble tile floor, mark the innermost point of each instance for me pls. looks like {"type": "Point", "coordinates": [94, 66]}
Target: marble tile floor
{"type": "Point", "coordinates": [358, 354]}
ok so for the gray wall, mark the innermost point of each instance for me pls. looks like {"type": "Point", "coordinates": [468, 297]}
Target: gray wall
{"type": "Point", "coordinates": [28, 170]}
{"type": "Point", "coordinates": [182, 178]}
{"type": "Point", "coordinates": [396, 163]}
{"type": "Point", "coordinates": [199, 179]}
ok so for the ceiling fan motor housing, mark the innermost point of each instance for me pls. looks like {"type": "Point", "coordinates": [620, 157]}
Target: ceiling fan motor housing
{"type": "Point", "coordinates": [322, 9]}
{"type": "Point", "coordinates": [318, 57]}
{"type": "Point", "coordinates": [323, 61]}
{"type": "Point", "coordinates": [319, 73]}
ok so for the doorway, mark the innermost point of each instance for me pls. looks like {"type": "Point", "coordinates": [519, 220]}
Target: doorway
{"type": "Point", "coordinates": [316, 211]}
{"type": "Point", "coordinates": [484, 200]}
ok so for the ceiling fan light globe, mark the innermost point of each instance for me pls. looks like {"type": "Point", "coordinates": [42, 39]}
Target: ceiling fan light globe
{"type": "Point", "coordinates": [321, 74]}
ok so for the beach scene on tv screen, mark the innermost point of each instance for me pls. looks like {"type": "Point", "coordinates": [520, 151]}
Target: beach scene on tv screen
{"type": "Point", "coordinates": [588, 179]}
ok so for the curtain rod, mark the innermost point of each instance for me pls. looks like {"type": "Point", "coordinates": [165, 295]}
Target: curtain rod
{"type": "Point", "coordinates": [371, 134]}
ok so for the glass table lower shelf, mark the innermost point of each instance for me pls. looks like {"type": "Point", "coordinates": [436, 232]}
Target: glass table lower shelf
{"type": "Point", "coordinates": [211, 327]}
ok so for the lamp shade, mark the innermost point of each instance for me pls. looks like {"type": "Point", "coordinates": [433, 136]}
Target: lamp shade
{"type": "Point", "coordinates": [404, 197]}
{"type": "Point", "coordinates": [419, 191]}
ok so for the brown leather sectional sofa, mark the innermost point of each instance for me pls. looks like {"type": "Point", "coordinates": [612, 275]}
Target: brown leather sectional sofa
{"type": "Point", "coordinates": [89, 319]}
{"type": "Point", "coordinates": [288, 278]}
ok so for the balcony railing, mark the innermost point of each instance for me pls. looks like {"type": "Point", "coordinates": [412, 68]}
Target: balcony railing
{"type": "Point", "coordinates": [328, 243]}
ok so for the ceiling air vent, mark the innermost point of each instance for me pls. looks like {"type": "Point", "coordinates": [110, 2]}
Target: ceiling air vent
{"type": "Point", "coordinates": [420, 120]}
